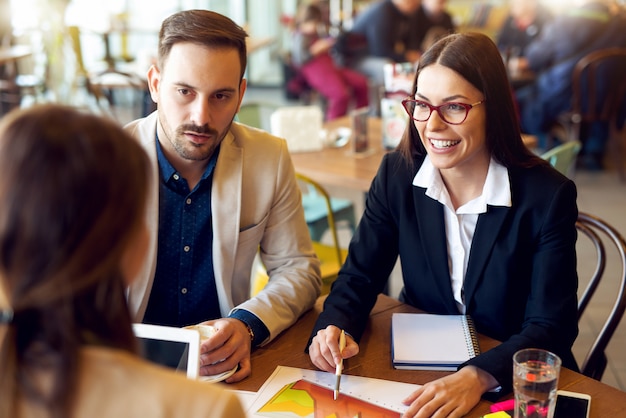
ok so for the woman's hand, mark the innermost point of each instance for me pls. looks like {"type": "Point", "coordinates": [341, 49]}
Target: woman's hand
{"type": "Point", "coordinates": [324, 348]}
{"type": "Point", "coordinates": [451, 396]}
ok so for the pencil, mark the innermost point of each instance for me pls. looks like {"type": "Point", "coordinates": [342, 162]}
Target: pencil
{"type": "Point", "coordinates": [339, 366]}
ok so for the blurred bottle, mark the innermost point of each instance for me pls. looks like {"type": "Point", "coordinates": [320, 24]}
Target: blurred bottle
{"type": "Point", "coordinates": [398, 83]}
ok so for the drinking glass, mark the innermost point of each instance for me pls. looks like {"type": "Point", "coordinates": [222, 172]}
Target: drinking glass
{"type": "Point", "coordinates": [535, 380]}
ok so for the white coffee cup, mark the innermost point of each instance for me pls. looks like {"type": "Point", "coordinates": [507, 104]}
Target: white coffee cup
{"type": "Point", "coordinates": [205, 331]}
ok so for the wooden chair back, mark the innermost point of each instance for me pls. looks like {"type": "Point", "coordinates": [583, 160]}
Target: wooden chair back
{"type": "Point", "coordinates": [598, 231]}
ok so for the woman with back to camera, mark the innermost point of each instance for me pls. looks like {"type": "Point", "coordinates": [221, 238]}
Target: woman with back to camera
{"type": "Point", "coordinates": [482, 227]}
{"type": "Point", "coordinates": [72, 236]}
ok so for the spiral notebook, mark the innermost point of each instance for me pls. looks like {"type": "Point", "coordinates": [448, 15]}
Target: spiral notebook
{"type": "Point", "coordinates": [432, 342]}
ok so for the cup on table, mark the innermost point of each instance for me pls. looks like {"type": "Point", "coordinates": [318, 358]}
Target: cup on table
{"type": "Point", "coordinates": [535, 380]}
{"type": "Point", "coordinates": [205, 331]}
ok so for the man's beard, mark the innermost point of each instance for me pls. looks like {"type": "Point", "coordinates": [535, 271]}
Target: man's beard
{"type": "Point", "coordinates": [198, 152]}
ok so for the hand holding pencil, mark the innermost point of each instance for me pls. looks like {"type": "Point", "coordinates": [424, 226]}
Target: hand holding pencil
{"type": "Point", "coordinates": [324, 349]}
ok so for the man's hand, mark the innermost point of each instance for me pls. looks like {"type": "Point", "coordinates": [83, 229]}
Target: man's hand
{"type": "Point", "coordinates": [228, 347]}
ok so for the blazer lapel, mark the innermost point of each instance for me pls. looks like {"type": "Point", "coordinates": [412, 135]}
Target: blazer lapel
{"type": "Point", "coordinates": [429, 214]}
{"type": "Point", "coordinates": [487, 229]}
{"type": "Point", "coordinates": [226, 212]}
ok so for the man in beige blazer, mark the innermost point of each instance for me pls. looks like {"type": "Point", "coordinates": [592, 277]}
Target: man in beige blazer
{"type": "Point", "coordinates": [238, 180]}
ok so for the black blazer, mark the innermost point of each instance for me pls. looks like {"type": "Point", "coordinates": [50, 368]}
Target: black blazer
{"type": "Point", "coordinates": [521, 281]}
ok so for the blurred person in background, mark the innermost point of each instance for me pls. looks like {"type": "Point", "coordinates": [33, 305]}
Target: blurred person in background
{"type": "Point", "coordinates": [439, 22]}
{"type": "Point", "coordinates": [590, 26]}
{"type": "Point", "coordinates": [311, 56]}
{"type": "Point", "coordinates": [393, 30]}
{"type": "Point", "coordinates": [524, 22]}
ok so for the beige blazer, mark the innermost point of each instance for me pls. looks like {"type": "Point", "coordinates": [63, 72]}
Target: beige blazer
{"type": "Point", "coordinates": [116, 384]}
{"type": "Point", "coordinates": [256, 203]}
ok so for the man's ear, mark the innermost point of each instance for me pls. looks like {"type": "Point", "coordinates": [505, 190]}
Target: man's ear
{"type": "Point", "coordinates": [154, 79]}
{"type": "Point", "coordinates": [242, 90]}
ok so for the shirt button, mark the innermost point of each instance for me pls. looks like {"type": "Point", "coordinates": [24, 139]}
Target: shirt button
{"type": "Point", "coordinates": [183, 290]}
{"type": "Point", "coordinates": [176, 177]}
{"type": "Point", "coordinates": [186, 248]}
{"type": "Point", "coordinates": [189, 201]}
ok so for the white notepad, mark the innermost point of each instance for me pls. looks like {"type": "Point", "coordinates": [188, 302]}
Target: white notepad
{"type": "Point", "coordinates": [432, 342]}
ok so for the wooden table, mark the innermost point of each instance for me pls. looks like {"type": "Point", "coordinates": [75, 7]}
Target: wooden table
{"type": "Point", "coordinates": [341, 167]}
{"type": "Point", "coordinates": [14, 53]}
{"type": "Point", "coordinates": [374, 360]}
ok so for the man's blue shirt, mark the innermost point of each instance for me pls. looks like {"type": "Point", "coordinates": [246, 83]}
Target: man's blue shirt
{"type": "Point", "coordinates": [184, 291]}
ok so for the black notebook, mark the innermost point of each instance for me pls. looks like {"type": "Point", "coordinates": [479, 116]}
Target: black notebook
{"type": "Point", "coordinates": [432, 342]}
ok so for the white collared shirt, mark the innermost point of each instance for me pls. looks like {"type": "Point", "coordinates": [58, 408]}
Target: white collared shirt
{"type": "Point", "coordinates": [461, 224]}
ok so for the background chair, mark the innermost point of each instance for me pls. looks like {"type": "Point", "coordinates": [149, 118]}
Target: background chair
{"type": "Point", "coordinates": [599, 231]}
{"type": "Point", "coordinates": [301, 126]}
{"type": "Point", "coordinates": [316, 210]}
{"type": "Point", "coordinates": [562, 157]}
{"type": "Point", "coordinates": [23, 73]}
{"type": "Point", "coordinates": [618, 129]}
{"type": "Point", "coordinates": [256, 114]}
{"type": "Point", "coordinates": [596, 99]}
{"type": "Point", "coordinates": [331, 256]}
{"type": "Point", "coordinates": [101, 85]}
{"type": "Point", "coordinates": [259, 115]}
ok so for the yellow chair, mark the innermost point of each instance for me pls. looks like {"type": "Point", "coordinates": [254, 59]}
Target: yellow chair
{"type": "Point", "coordinates": [562, 157]}
{"type": "Point", "coordinates": [331, 256]}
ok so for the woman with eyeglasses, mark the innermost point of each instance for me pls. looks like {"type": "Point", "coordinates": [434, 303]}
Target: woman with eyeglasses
{"type": "Point", "coordinates": [482, 227]}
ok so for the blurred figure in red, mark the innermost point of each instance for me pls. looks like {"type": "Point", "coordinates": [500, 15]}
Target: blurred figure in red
{"type": "Point", "coordinates": [311, 55]}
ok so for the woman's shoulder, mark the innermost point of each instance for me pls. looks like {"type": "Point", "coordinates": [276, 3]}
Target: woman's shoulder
{"type": "Point", "coordinates": [135, 387]}
{"type": "Point", "coordinates": [540, 180]}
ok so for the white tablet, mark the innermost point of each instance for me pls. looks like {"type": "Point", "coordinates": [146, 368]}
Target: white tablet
{"type": "Point", "coordinates": [177, 348]}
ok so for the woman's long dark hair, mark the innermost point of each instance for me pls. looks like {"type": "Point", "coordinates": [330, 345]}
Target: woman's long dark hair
{"type": "Point", "coordinates": [476, 58]}
{"type": "Point", "coordinates": [72, 196]}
